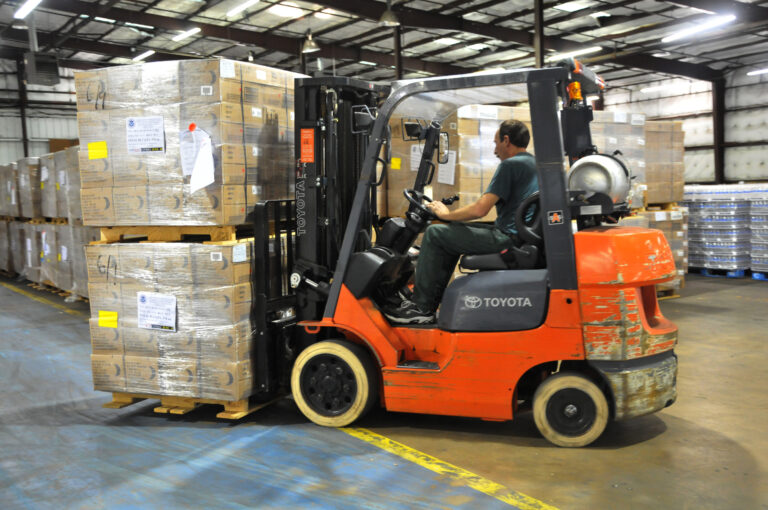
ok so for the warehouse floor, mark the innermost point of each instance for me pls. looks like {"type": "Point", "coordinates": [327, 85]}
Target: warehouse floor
{"type": "Point", "coordinates": [60, 449]}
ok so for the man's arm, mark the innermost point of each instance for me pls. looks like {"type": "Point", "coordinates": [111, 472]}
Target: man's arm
{"type": "Point", "coordinates": [468, 212]}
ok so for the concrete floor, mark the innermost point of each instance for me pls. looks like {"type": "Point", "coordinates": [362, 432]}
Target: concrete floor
{"type": "Point", "coordinates": [60, 449]}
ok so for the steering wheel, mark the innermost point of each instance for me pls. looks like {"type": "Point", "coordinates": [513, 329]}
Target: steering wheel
{"type": "Point", "coordinates": [529, 232]}
{"type": "Point", "coordinates": [416, 198]}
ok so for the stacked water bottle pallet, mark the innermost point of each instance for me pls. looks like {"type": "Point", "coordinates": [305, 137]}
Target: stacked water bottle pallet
{"type": "Point", "coordinates": [175, 158]}
{"type": "Point", "coordinates": [728, 228]}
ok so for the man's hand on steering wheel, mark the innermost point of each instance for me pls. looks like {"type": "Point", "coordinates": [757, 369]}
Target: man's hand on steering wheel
{"type": "Point", "coordinates": [437, 208]}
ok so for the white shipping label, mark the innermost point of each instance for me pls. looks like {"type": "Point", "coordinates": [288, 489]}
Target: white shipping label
{"type": "Point", "coordinates": [196, 158]}
{"type": "Point", "coordinates": [64, 253]}
{"type": "Point", "coordinates": [144, 134]}
{"type": "Point", "coordinates": [679, 233]}
{"type": "Point", "coordinates": [643, 187]}
{"type": "Point", "coordinates": [660, 216]}
{"type": "Point", "coordinates": [227, 69]}
{"type": "Point", "coordinates": [293, 116]}
{"type": "Point", "coordinates": [620, 117]}
{"type": "Point", "coordinates": [641, 141]}
{"type": "Point", "coordinates": [612, 140]}
{"type": "Point", "coordinates": [680, 253]}
{"type": "Point", "coordinates": [206, 90]}
{"type": "Point", "coordinates": [638, 119]}
{"type": "Point", "coordinates": [255, 151]}
{"type": "Point", "coordinates": [156, 311]}
{"type": "Point", "coordinates": [44, 239]}
{"type": "Point", "coordinates": [453, 126]}
{"type": "Point", "coordinates": [446, 172]}
{"type": "Point", "coordinates": [416, 151]}
{"type": "Point", "coordinates": [676, 215]}
{"type": "Point", "coordinates": [255, 190]}
{"type": "Point", "coordinates": [261, 75]}
{"type": "Point", "coordinates": [44, 174]}
{"type": "Point", "coordinates": [239, 253]}
{"type": "Point", "coordinates": [256, 112]}
{"type": "Point", "coordinates": [62, 177]}
{"type": "Point", "coordinates": [641, 164]}
{"type": "Point", "coordinates": [29, 252]}
{"type": "Point", "coordinates": [485, 111]}
{"type": "Point", "coordinates": [685, 243]}
{"type": "Point", "coordinates": [216, 256]}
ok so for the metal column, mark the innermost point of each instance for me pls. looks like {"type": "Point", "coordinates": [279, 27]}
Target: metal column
{"type": "Point", "coordinates": [396, 33]}
{"type": "Point", "coordinates": [20, 70]}
{"type": "Point", "coordinates": [718, 128]}
{"type": "Point", "coordinates": [538, 32]}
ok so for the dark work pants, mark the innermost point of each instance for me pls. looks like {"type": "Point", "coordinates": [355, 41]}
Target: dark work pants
{"type": "Point", "coordinates": [441, 248]}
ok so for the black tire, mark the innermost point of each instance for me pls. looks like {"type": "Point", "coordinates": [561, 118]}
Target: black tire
{"type": "Point", "coordinates": [334, 383]}
{"type": "Point", "coordinates": [570, 410]}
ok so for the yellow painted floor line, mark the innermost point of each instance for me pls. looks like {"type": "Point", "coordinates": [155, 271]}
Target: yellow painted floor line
{"type": "Point", "coordinates": [436, 465]}
{"type": "Point", "coordinates": [42, 300]}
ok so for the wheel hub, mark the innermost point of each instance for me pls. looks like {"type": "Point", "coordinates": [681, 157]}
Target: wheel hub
{"type": "Point", "coordinates": [571, 412]}
{"type": "Point", "coordinates": [328, 385]}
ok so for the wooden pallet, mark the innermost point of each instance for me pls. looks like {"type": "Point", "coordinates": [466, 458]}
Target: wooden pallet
{"type": "Point", "coordinates": [159, 234]}
{"type": "Point", "coordinates": [44, 221]}
{"type": "Point", "coordinates": [662, 294]}
{"type": "Point", "coordinates": [665, 206]}
{"type": "Point", "coordinates": [233, 410]}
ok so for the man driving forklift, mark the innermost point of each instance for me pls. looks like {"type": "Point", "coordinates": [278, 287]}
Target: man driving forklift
{"type": "Point", "coordinates": [515, 179]}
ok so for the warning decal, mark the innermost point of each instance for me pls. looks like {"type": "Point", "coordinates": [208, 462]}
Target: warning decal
{"type": "Point", "coordinates": [307, 145]}
{"type": "Point", "coordinates": [555, 217]}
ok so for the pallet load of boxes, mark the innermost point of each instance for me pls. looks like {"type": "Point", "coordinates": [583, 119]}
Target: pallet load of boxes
{"type": "Point", "coordinates": [41, 224]}
{"type": "Point", "coordinates": [652, 150]}
{"type": "Point", "coordinates": [173, 158]}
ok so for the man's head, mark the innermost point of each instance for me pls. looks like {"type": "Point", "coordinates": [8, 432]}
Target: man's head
{"type": "Point", "coordinates": [511, 138]}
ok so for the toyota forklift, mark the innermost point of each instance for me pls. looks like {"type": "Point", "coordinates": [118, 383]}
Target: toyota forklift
{"type": "Point", "coordinates": [566, 324]}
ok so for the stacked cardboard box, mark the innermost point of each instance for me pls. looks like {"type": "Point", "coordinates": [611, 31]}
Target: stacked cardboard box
{"type": "Point", "coordinates": [140, 131]}
{"type": "Point", "coordinates": [471, 162]}
{"type": "Point", "coordinates": [6, 260]}
{"type": "Point", "coordinates": [673, 222]}
{"type": "Point", "coordinates": [624, 132]}
{"type": "Point", "coordinates": [664, 170]}
{"type": "Point", "coordinates": [30, 193]}
{"type": "Point", "coordinates": [9, 191]}
{"type": "Point", "coordinates": [202, 349]}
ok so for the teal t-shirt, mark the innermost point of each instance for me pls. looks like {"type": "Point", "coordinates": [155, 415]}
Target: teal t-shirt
{"type": "Point", "coordinates": [515, 179]}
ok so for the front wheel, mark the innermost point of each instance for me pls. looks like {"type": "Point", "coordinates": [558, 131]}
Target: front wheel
{"type": "Point", "coordinates": [570, 410]}
{"type": "Point", "coordinates": [334, 383]}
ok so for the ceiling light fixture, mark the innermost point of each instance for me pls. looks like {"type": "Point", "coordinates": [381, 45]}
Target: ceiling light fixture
{"type": "Point", "coordinates": [447, 41]}
{"type": "Point", "coordinates": [759, 71]}
{"type": "Point", "coordinates": [240, 8]}
{"type": "Point", "coordinates": [601, 14]}
{"type": "Point", "coordinates": [388, 17]}
{"type": "Point", "coordinates": [286, 10]}
{"type": "Point", "coordinates": [139, 58]}
{"type": "Point", "coordinates": [184, 35]}
{"type": "Point", "coordinates": [326, 13]}
{"type": "Point", "coordinates": [309, 46]}
{"type": "Point", "coordinates": [104, 20]}
{"type": "Point", "coordinates": [477, 47]}
{"type": "Point", "coordinates": [709, 25]}
{"type": "Point", "coordinates": [574, 6]}
{"type": "Point", "coordinates": [366, 63]}
{"type": "Point", "coordinates": [138, 25]}
{"type": "Point", "coordinates": [25, 9]}
{"type": "Point", "coordinates": [571, 54]}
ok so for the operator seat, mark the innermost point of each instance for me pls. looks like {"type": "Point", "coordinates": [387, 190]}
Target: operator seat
{"type": "Point", "coordinates": [527, 256]}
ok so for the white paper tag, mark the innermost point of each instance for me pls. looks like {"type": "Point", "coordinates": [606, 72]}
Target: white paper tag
{"type": "Point", "coordinates": [206, 90]}
{"type": "Point", "coordinates": [680, 253]}
{"type": "Point", "coordinates": [196, 158]}
{"type": "Point", "coordinates": [612, 140]}
{"type": "Point", "coordinates": [416, 151]}
{"type": "Point", "coordinates": [620, 117]}
{"type": "Point", "coordinates": [217, 256]}
{"type": "Point", "coordinates": [255, 151]}
{"type": "Point", "coordinates": [62, 177]}
{"type": "Point", "coordinates": [679, 234]}
{"type": "Point", "coordinates": [64, 253]}
{"type": "Point", "coordinates": [643, 187]}
{"type": "Point", "coordinates": [453, 126]}
{"type": "Point", "coordinates": [227, 68]}
{"type": "Point", "coordinates": [685, 243]}
{"type": "Point", "coordinates": [446, 172]}
{"type": "Point", "coordinates": [641, 164]}
{"type": "Point", "coordinates": [641, 141]}
{"type": "Point", "coordinates": [156, 311]}
{"type": "Point", "coordinates": [293, 116]}
{"type": "Point", "coordinates": [676, 215]}
{"type": "Point", "coordinates": [144, 134]}
{"type": "Point", "coordinates": [485, 111]}
{"type": "Point", "coordinates": [638, 119]}
{"type": "Point", "coordinates": [44, 241]}
{"type": "Point", "coordinates": [660, 216]}
{"type": "Point", "coordinates": [256, 112]}
{"type": "Point", "coordinates": [29, 252]}
{"type": "Point", "coordinates": [261, 75]}
{"type": "Point", "coordinates": [43, 174]}
{"type": "Point", "coordinates": [255, 190]}
{"type": "Point", "coordinates": [239, 253]}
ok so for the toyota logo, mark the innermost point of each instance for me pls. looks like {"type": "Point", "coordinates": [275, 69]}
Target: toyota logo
{"type": "Point", "coordinates": [472, 301]}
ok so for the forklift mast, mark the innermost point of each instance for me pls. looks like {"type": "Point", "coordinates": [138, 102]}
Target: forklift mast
{"type": "Point", "coordinates": [333, 119]}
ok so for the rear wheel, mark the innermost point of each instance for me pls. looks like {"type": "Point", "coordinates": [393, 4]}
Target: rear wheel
{"type": "Point", "coordinates": [334, 382]}
{"type": "Point", "coordinates": [570, 410]}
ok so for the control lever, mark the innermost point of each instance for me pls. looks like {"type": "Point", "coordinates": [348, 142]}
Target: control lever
{"type": "Point", "coordinates": [450, 200]}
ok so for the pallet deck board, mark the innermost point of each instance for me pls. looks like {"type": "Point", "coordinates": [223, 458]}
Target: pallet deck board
{"type": "Point", "coordinates": [233, 410]}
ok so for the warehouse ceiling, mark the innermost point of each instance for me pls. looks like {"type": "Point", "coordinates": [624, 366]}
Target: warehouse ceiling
{"type": "Point", "coordinates": [436, 37]}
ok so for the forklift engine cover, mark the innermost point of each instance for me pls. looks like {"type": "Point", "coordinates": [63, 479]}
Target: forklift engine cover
{"type": "Point", "coordinates": [508, 300]}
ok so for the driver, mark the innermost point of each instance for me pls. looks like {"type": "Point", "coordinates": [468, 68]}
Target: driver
{"type": "Point", "coordinates": [514, 180]}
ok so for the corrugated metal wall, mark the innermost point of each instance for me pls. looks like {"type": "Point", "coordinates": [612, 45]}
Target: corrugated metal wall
{"type": "Point", "coordinates": [746, 122]}
{"type": "Point", "coordinates": [43, 121]}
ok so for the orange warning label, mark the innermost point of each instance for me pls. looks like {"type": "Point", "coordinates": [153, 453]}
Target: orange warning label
{"type": "Point", "coordinates": [307, 145]}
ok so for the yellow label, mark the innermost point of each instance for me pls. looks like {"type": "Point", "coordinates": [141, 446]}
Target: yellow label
{"type": "Point", "coordinates": [395, 163]}
{"type": "Point", "coordinates": [97, 150]}
{"type": "Point", "coordinates": [59, 257]}
{"type": "Point", "coordinates": [107, 319]}
{"type": "Point", "coordinates": [42, 185]}
{"type": "Point", "coordinates": [58, 187]}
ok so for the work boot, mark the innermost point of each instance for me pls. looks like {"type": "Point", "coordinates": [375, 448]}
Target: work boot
{"type": "Point", "coordinates": [410, 313]}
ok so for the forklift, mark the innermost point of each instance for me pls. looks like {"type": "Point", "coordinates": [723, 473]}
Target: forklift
{"type": "Point", "coordinates": [566, 324]}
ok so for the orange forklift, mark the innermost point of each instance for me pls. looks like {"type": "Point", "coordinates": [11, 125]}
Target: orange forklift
{"type": "Point", "coordinates": [567, 324]}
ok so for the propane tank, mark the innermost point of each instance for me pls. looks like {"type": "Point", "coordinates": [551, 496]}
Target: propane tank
{"type": "Point", "coordinates": [600, 173]}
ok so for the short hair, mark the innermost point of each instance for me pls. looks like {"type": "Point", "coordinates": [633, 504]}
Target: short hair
{"type": "Point", "coordinates": [516, 131]}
